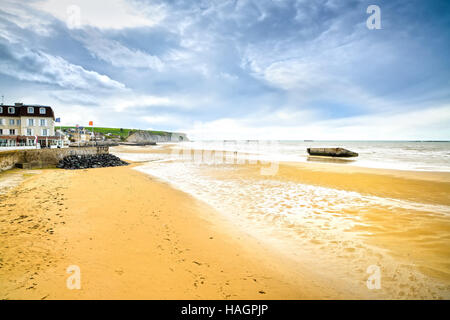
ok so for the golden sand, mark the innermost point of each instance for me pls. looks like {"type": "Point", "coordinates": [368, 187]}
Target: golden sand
{"type": "Point", "coordinates": [133, 238]}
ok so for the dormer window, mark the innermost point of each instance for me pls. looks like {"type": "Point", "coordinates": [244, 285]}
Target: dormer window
{"type": "Point", "coordinates": [11, 110]}
{"type": "Point", "coordinates": [30, 110]}
{"type": "Point", "coordinates": [1, 109]}
{"type": "Point", "coordinates": [42, 110]}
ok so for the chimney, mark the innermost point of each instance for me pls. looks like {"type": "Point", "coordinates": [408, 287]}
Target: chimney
{"type": "Point", "coordinates": [18, 104]}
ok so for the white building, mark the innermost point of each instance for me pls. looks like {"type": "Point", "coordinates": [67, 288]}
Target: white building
{"type": "Point", "coordinates": [24, 125]}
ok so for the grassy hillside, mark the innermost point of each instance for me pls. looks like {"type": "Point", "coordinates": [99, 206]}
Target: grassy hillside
{"type": "Point", "coordinates": [122, 132]}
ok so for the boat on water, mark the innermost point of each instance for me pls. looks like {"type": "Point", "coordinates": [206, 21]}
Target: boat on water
{"type": "Point", "coordinates": [331, 152]}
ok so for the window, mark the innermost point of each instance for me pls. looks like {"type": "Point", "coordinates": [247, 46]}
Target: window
{"type": "Point", "coordinates": [1, 131]}
{"type": "Point", "coordinates": [42, 110]}
{"type": "Point", "coordinates": [11, 110]}
{"type": "Point", "coordinates": [18, 122]}
{"type": "Point", "coordinates": [1, 109]}
{"type": "Point", "coordinates": [31, 122]}
{"type": "Point", "coordinates": [29, 132]}
{"type": "Point", "coordinates": [43, 122]}
{"type": "Point", "coordinates": [45, 132]}
{"type": "Point", "coordinates": [2, 122]}
{"type": "Point", "coordinates": [12, 131]}
{"type": "Point", "coordinates": [30, 110]}
{"type": "Point", "coordinates": [11, 122]}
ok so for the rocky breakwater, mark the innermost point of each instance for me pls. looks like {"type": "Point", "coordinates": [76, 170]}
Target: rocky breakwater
{"type": "Point", "coordinates": [90, 161]}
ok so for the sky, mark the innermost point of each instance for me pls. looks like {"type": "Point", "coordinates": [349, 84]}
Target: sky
{"type": "Point", "coordinates": [237, 69]}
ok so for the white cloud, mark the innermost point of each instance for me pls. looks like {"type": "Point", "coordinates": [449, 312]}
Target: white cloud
{"type": "Point", "coordinates": [13, 15]}
{"type": "Point", "coordinates": [164, 119]}
{"type": "Point", "coordinates": [309, 79]}
{"type": "Point", "coordinates": [157, 119]}
{"type": "Point", "coordinates": [118, 101]}
{"type": "Point", "coordinates": [136, 101]}
{"type": "Point", "coordinates": [112, 14]}
{"type": "Point", "coordinates": [38, 66]}
{"type": "Point", "coordinates": [228, 76]}
{"type": "Point", "coordinates": [412, 125]}
{"type": "Point", "coordinates": [128, 100]}
{"type": "Point", "coordinates": [295, 74]}
{"type": "Point", "coordinates": [120, 56]}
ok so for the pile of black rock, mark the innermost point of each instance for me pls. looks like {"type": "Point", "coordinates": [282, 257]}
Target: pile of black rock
{"type": "Point", "coordinates": [90, 161]}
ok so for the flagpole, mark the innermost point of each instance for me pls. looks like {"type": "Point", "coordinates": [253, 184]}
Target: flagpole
{"type": "Point", "coordinates": [60, 131]}
{"type": "Point", "coordinates": [91, 123]}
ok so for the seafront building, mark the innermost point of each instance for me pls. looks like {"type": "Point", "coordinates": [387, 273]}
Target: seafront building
{"type": "Point", "coordinates": [27, 126]}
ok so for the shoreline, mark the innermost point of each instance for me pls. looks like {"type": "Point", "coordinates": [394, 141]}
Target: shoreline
{"type": "Point", "coordinates": [356, 217]}
{"type": "Point", "coordinates": [429, 186]}
{"type": "Point", "coordinates": [326, 163]}
{"type": "Point", "coordinates": [422, 160]}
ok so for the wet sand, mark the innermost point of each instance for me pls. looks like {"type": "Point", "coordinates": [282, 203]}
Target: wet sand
{"type": "Point", "coordinates": [398, 220]}
{"type": "Point", "coordinates": [337, 219]}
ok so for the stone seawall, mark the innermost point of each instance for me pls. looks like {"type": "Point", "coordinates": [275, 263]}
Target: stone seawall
{"type": "Point", "coordinates": [41, 158]}
{"type": "Point", "coordinates": [8, 159]}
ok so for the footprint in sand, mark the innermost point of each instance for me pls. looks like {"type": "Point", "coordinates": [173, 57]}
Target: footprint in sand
{"type": "Point", "coordinates": [119, 272]}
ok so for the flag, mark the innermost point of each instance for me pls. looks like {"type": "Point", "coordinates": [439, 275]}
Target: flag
{"type": "Point", "coordinates": [91, 123]}
{"type": "Point", "coordinates": [58, 120]}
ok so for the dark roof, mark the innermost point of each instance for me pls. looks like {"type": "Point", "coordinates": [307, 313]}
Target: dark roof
{"type": "Point", "coordinates": [22, 111]}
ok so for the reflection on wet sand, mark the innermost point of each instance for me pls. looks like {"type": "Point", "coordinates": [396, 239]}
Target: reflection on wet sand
{"type": "Point", "coordinates": [329, 159]}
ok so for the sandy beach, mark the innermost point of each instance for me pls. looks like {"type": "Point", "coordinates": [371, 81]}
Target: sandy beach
{"type": "Point", "coordinates": [135, 236]}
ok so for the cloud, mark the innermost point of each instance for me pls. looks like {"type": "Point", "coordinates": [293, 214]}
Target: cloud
{"type": "Point", "coordinates": [126, 101]}
{"type": "Point", "coordinates": [413, 125]}
{"type": "Point", "coordinates": [113, 14]}
{"type": "Point", "coordinates": [295, 74]}
{"type": "Point", "coordinates": [18, 22]}
{"type": "Point", "coordinates": [164, 120]}
{"type": "Point", "coordinates": [120, 56]}
{"type": "Point", "coordinates": [24, 18]}
{"type": "Point", "coordinates": [139, 101]}
{"type": "Point", "coordinates": [37, 66]}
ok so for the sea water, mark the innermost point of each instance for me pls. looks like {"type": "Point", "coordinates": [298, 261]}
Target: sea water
{"type": "Point", "coordinates": [400, 155]}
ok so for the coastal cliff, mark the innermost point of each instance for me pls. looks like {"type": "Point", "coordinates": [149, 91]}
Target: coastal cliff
{"type": "Point", "coordinates": [147, 137]}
